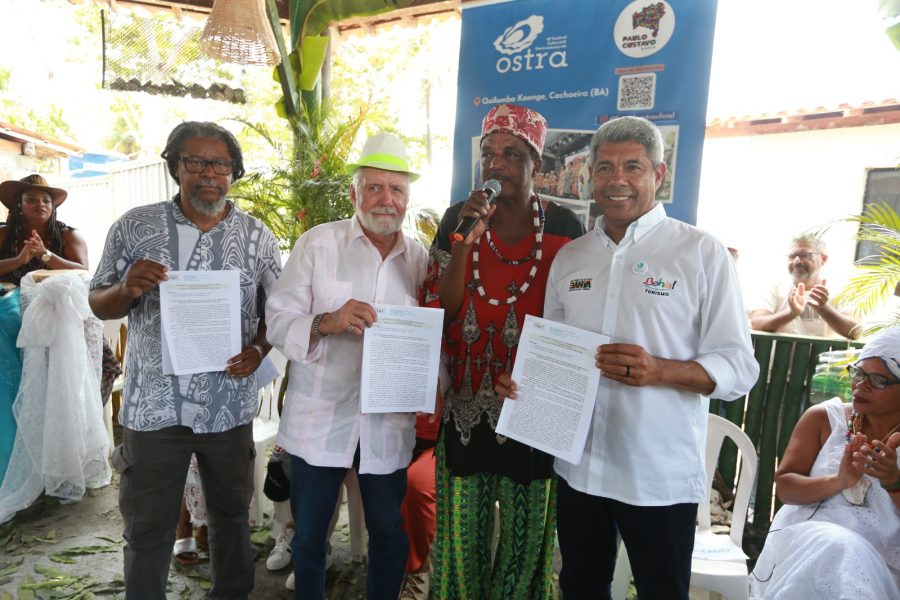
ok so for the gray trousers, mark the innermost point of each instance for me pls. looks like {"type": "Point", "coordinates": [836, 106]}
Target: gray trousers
{"type": "Point", "coordinates": [153, 468]}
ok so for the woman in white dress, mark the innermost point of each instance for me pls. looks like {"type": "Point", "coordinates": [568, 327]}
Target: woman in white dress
{"type": "Point", "coordinates": [838, 533]}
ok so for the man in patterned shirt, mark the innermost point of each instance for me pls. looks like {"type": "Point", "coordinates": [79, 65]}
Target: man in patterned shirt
{"type": "Point", "coordinates": [166, 417]}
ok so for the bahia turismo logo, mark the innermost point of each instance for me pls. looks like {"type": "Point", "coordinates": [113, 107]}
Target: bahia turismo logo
{"type": "Point", "coordinates": [516, 44]}
{"type": "Point", "coordinates": [644, 28]}
{"type": "Point", "coordinates": [659, 286]}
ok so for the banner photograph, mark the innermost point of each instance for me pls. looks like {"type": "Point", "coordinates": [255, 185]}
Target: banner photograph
{"type": "Point", "coordinates": [580, 64]}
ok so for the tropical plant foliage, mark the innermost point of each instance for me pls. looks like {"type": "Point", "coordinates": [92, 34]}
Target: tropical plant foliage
{"type": "Point", "coordinates": [307, 184]}
{"type": "Point", "coordinates": [877, 276]}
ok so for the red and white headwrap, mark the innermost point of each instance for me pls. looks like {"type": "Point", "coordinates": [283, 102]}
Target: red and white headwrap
{"type": "Point", "coordinates": [519, 121]}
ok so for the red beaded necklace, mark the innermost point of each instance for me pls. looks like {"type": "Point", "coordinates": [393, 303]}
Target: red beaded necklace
{"type": "Point", "coordinates": [536, 254]}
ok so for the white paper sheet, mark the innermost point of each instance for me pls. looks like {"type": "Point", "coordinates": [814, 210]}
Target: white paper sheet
{"type": "Point", "coordinates": [201, 320]}
{"type": "Point", "coordinates": [556, 381]}
{"type": "Point", "coordinates": [710, 546]}
{"type": "Point", "coordinates": [401, 357]}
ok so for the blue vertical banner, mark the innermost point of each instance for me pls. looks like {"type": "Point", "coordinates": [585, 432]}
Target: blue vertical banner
{"type": "Point", "coordinates": [580, 63]}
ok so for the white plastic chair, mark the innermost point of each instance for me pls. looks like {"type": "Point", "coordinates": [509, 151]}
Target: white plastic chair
{"type": "Point", "coordinates": [265, 428]}
{"type": "Point", "coordinates": [726, 577]}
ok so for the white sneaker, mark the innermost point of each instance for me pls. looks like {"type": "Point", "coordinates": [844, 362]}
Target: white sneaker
{"type": "Point", "coordinates": [280, 556]}
{"type": "Point", "coordinates": [289, 582]}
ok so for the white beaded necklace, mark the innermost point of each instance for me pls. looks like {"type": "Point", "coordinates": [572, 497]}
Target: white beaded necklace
{"type": "Point", "coordinates": [538, 244]}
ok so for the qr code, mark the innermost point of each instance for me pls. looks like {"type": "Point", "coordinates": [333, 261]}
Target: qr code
{"type": "Point", "coordinates": [637, 91]}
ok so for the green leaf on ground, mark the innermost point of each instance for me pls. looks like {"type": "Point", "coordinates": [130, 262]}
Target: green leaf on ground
{"type": "Point", "coordinates": [80, 550]}
{"type": "Point", "coordinates": [9, 568]}
{"type": "Point", "coordinates": [49, 583]}
{"type": "Point", "coordinates": [260, 537]}
{"type": "Point", "coordinates": [62, 559]}
{"type": "Point", "coordinates": [5, 596]}
{"type": "Point", "coordinates": [110, 540]}
{"type": "Point", "coordinates": [46, 540]}
{"type": "Point", "coordinates": [24, 593]}
{"type": "Point", "coordinates": [51, 572]}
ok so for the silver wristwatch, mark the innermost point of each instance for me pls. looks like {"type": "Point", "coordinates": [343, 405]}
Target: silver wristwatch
{"type": "Point", "coordinates": [317, 320]}
{"type": "Point", "coordinates": [45, 257]}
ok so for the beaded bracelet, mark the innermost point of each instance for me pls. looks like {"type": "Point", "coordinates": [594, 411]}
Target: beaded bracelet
{"type": "Point", "coordinates": [891, 488]}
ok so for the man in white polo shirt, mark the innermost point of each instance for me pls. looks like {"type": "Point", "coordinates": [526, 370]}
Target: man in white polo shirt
{"type": "Point", "coordinates": [667, 294]}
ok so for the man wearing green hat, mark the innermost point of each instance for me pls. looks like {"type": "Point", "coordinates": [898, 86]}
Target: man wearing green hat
{"type": "Point", "coordinates": [316, 317]}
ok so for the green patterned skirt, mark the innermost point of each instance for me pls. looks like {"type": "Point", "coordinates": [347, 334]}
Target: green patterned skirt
{"type": "Point", "coordinates": [461, 556]}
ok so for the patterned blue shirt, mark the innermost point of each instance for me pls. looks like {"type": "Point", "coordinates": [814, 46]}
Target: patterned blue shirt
{"type": "Point", "coordinates": [206, 402]}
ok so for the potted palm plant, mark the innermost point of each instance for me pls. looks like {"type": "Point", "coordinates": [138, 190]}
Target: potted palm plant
{"type": "Point", "coordinates": [306, 185]}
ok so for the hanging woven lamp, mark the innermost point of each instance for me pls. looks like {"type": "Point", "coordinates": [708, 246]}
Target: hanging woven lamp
{"type": "Point", "coordinates": [238, 31]}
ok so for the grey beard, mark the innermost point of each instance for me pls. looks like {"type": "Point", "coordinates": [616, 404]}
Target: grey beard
{"type": "Point", "coordinates": [800, 276]}
{"type": "Point", "coordinates": [379, 227]}
{"type": "Point", "coordinates": [206, 208]}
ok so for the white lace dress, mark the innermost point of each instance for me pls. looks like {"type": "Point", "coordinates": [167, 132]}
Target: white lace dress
{"type": "Point", "coordinates": [832, 550]}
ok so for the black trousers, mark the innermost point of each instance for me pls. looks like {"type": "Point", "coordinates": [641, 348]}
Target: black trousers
{"type": "Point", "coordinates": [659, 541]}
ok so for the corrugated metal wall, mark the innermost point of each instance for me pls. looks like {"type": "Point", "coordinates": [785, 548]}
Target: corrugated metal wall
{"type": "Point", "coordinates": [94, 203]}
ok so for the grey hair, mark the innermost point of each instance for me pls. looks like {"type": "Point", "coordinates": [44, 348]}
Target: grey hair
{"type": "Point", "coordinates": [809, 240]}
{"type": "Point", "coordinates": [358, 178]}
{"type": "Point", "coordinates": [630, 129]}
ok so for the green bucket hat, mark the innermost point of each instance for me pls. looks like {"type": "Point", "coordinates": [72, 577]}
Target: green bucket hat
{"type": "Point", "coordinates": [386, 152]}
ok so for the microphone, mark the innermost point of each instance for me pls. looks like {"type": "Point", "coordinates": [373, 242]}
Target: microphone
{"type": "Point", "coordinates": [491, 188]}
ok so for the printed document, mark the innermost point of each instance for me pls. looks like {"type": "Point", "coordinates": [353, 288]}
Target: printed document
{"type": "Point", "coordinates": [201, 320]}
{"type": "Point", "coordinates": [556, 386]}
{"type": "Point", "coordinates": [401, 357]}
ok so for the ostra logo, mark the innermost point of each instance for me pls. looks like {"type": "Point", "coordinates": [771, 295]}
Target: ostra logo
{"type": "Point", "coordinates": [659, 286]}
{"type": "Point", "coordinates": [516, 42]}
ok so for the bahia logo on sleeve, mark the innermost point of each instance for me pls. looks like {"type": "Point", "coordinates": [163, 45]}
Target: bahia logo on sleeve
{"type": "Point", "coordinates": [520, 37]}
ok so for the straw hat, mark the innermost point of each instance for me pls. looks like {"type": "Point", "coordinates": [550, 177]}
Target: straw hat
{"type": "Point", "coordinates": [9, 189]}
{"type": "Point", "coordinates": [386, 152]}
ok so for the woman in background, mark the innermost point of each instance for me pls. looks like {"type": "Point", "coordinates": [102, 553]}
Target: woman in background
{"type": "Point", "coordinates": [838, 533]}
{"type": "Point", "coordinates": [31, 239]}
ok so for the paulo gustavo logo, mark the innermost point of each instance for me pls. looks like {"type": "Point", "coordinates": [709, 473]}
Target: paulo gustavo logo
{"type": "Point", "coordinates": [659, 286]}
{"type": "Point", "coordinates": [516, 44]}
{"type": "Point", "coordinates": [644, 28]}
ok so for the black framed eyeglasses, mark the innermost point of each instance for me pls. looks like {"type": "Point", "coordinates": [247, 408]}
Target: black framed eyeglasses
{"type": "Point", "coordinates": [195, 164]}
{"type": "Point", "coordinates": [802, 255]}
{"type": "Point", "coordinates": [879, 382]}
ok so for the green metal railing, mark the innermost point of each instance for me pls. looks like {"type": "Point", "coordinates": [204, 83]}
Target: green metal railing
{"type": "Point", "coordinates": [768, 415]}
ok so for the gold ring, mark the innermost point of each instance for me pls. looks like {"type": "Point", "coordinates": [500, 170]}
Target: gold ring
{"type": "Point", "coordinates": [349, 328]}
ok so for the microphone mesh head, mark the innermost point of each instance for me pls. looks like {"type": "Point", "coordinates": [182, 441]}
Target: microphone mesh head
{"type": "Point", "coordinates": [492, 186]}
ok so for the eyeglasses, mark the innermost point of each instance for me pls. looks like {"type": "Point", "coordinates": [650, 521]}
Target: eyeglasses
{"type": "Point", "coordinates": [879, 382]}
{"type": "Point", "coordinates": [195, 164]}
{"type": "Point", "coordinates": [802, 255]}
